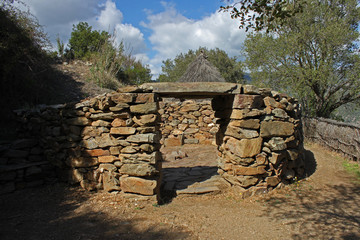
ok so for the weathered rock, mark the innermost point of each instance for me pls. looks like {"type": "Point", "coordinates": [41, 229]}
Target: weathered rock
{"type": "Point", "coordinates": [191, 131]}
{"type": "Point", "coordinates": [272, 181]}
{"type": "Point", "coordinates": [138, 185]}
{"type": "Point", "coordinates": [276, 158]}
{"type": "Point", "coordinates": [245, 147]}
{"type": "Point", "coordinates": [171, 142]}
{"type": "Point", "coordinates": [145, 108]}
{"type": "Point", "coordinates": [138, 170]}
{"type": "Point", "coordinates": [249, 171]}
{"type": "Point", "coordinates": [242, 181]}
{"type": "Point", "coordinates": [272, 103]}
{"type": "Point", "coordinates": [118, 122]}
{"type": "Point", "coordinates": [276, 129]}
{"type": "Point", "coordinates": [107, 167]}
{"type": "Point", "coordinates": [122, 97]}
{"type": "Point", "coordinates": [145, 98]}
{"type": "Point", "coordinates": [128, 149]}
{"type": "Point", "coordinates": [103, 116]}
{"type": "Point", "coordinates": [143, 138]}
{"type": "Point", "coordinates": [141, 158]}
{"type": "Point", "coordinates": [110, 183]}
{"type": "Point", "coordinates": [245, 113]}
{"type": "Point", "coordinates": [248, 123]}
{"type": "Point", "coordinates": [122, 130]}
{"type": "Point", "coordinates": [251, 89]}
{"type": "Point", "coordinates": [190, 107]}
{"type": "Point", "coordinates": [107, 159]}
{"type": "Point", "coordinates": [241, 133]}
{"type": "Point", "coordinates": [247, 101]}
{"type": "Point", "coordinates": [96, 152]}
{"type": "Point", "coordinates": [105, 140]}
{"type": "Point", "coordinates": [100, 123]}
{"type": "Point", "coordinates": [90, 143]}
{"type": "Point", "coordinates": [191, 141]}
{"type": "Point", "coordinates": [261, 159]}
{"type": "Point", "coordinates": [142, 120]}
{"type": "Point", "coordinates": [277, 144]}
{"type": "Point", "coordinates": [279, 113]}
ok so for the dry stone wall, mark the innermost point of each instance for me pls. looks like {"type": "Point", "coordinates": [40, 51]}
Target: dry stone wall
{"type": "Point", "coordinates": [260, 142]}
{"type": "Point", "coordinates": [189, 121]}
{"type": "Point", "coordinates": [112, 141]}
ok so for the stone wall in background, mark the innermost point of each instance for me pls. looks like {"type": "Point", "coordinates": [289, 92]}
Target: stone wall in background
{"type": "Point", "coordinates": [341, 137]}
{"type": "Point", "coordinates": [189, 121]}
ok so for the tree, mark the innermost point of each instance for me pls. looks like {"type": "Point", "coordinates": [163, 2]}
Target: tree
{"type": "Point", "coordinates": [312, 56]}
{"type": "Point", "coordinates": [261, 14]}
{"type": "Point", "coordinates": [230, 68]}
{"type": "Point", "coordinates": [84, 40]}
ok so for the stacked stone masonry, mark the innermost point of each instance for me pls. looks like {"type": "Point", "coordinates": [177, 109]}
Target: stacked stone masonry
{"type": "Point", "coordinates": [189, 121]}
{"type": "Point", "coordinates": [112, 141]}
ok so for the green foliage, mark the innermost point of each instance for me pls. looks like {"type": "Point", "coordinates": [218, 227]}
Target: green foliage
{"type": "Point", "coordinates": [261, 14]}
{"type": "Point", "coordinates": [60, 47]}
{"type": "Point", "coordinates": [112, 67]}
{"type": "Point", "coordinates": [230, 68]}
{"type": "Point", "coordinates": [312, 56]}
{"type": "Point", "coordinates": [353, 168]}
{"type": "Point", "coordinates": [84, 40]}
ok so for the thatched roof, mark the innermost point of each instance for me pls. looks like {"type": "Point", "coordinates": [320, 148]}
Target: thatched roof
{"type": "Point", "coordinates": [201, 70]}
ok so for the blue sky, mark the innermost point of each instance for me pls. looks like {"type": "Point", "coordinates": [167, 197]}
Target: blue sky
{"type": "Point", "coordinates": [151, 30]}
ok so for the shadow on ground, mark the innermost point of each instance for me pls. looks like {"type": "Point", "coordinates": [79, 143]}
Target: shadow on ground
{"type": "Point", "coordinates": [326, 212]}
{"type": "Point", "coordinates": [60, 212]}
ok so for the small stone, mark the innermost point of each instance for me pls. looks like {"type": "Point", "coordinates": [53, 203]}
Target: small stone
{"type": "Point", "coordinates": [276, 158]}
{"type": "Point", "coordinates": [277, 144]}
{"type": "Point", "coordinates": [103, 116]}
{"type": "Point", "coordinates": [100, 123]}
{"type": "Point", "coordinates": [143, 138]}
{"type": "Point", "coordinates": [110, 183]}
{"type": "Point", "coordinates": [148, 119]}
{"type": "Point", "coordinates": [279, 113]}
{"type": "Point", "coordinates": [145, 98]}
{"type": "Point", "coordinates": [107, 159]}
{"type": "Point", "coordinates": [249, 171]}
{"type": "Point", "coordinates": [122, 130]}
{"type": "Point", "coordinates": [107, 167]}
{"type": "Point", "coordinates": [272, 181]}
{"type": "Point", "coordinates": [118, 122]}
{"type": "Point", "coordinates": [96, 152]}
{"type": "Point", "coordinates": [261, 159]}
{"type": "Point", "coordinates": [191, 141]}
{"type": "Point", "coordinates": [128, 149]}
{"type": "Point", "coordinates": [245, 113]}
{"type": "Point", "coordinates": [247, 101]}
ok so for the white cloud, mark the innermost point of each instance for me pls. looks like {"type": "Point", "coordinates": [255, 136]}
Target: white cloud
{"type": "Point", "coordinates": [58, 17]}
{"type": "Point", "coordinates": [172, 33]}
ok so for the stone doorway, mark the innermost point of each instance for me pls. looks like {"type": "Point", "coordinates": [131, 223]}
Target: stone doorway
{"type": "Point", "coordinates": [189, 148]}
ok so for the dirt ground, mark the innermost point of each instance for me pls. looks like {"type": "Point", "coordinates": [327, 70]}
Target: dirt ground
{"type": "Point", "coordinates": [323, 206]}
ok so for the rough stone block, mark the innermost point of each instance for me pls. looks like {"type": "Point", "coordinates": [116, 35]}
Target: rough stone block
{"type": "Point", "coordinates": [118, 122]}
{"type": "Point", "coordinates": [276, 129]}
{"type": "Point", "coordinates": [110, 183]}
{"type": "Point", "coordinates": [100, 123]}
{"type": "Point", "coordinates": [276, 158]}
{"type": "Point", "coordinates": [248, 123]}
{"type": "Point", "coordinates": [145, 98]}
{"type": "Point", "coordinates": [107, 159]}
{"type": "Point", "coordinates": [272, 181]}
{"type": "Point", "coordinates": [138, 185]}
{"type": "Point", "coordinates": [245, 147]}
{"type": "Point", "coordinates": [108, 167]}
{"type": "Point", "coordinates": [122, 97]}
{"type": "Point", "coordinates": [251, 89]}
{"type": "Point", "coordinates": [142, 120]}
{"type": "Point", "coordinates": [138, 170]}
{"type": "Point", "coordinates": [143, 138]}
{"type": "Point", "coordinates": [247, 101]}
{"type": "Point", "coordinates": [241, 133]}
{"type": "Point", "coordinates": [122, 130]}
{"type": "Point", "coordinates": [171, 142]}
{"type": "Point", "coordinates": [277, 144]}
{"type": "Point", "coordinates": [96, 153]}
{"type": "Point", "coordinates": [249, 171]}
{"type": "Point", "coordinates": [245, 113]}
{"type": "Point", "coordinates": [145, 108]}
{"type": "Point", "coordinates": [190, 107]}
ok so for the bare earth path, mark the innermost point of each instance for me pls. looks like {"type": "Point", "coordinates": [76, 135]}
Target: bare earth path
{"type": "Point", "coordinates": [323, 206]}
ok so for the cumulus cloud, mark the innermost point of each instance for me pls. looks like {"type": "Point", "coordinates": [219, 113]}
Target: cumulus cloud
{"type": "Point", "coordinates": [58, 17]}
{"type": "Point", "coordinates": [172, 33]}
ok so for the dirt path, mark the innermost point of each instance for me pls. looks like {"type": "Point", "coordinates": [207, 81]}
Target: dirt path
{"type": "Point", "coordinates": [324, 206]}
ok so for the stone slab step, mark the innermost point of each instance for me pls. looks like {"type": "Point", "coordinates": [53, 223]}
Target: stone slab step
{"type": "Point", "coordinates": [198, 190]}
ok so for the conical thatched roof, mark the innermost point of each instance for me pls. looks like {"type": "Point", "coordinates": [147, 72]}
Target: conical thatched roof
{"type": "Point", "coordinates": [201, 70]}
